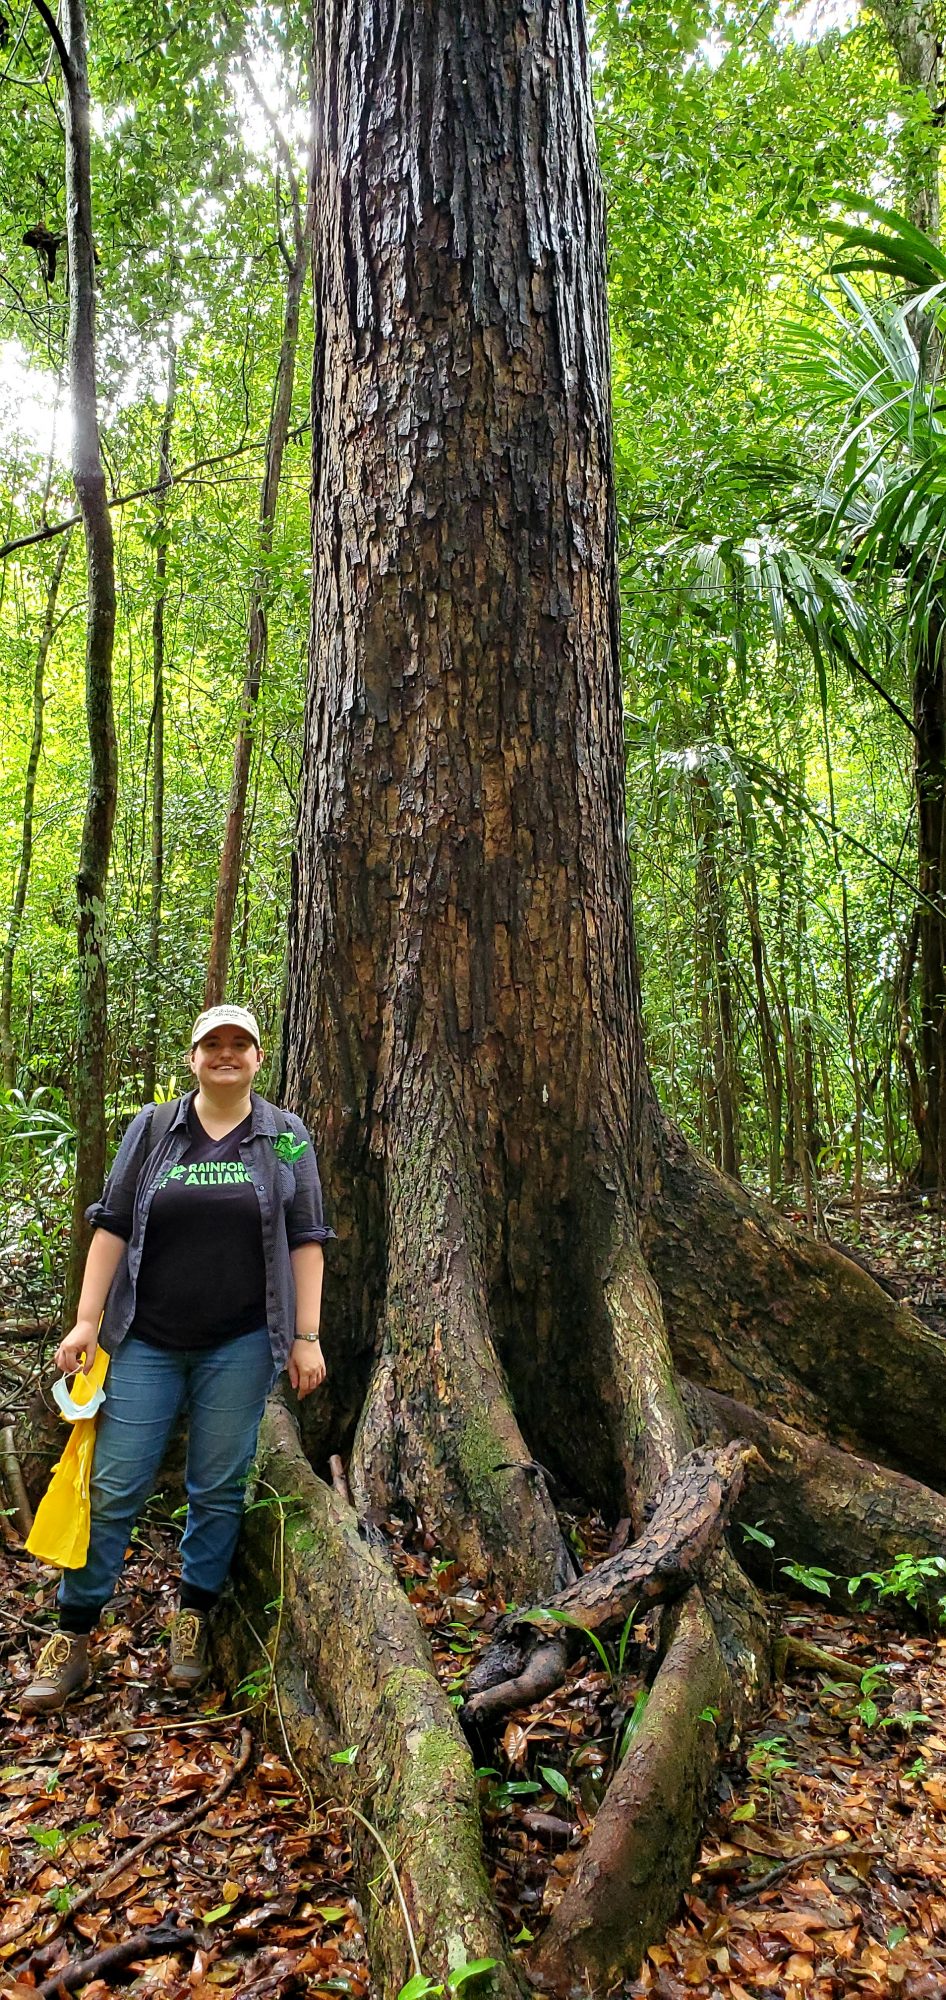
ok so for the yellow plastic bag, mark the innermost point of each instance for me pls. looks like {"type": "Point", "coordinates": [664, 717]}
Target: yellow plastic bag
{"type": "Point", "coordinates": [60, 1531]}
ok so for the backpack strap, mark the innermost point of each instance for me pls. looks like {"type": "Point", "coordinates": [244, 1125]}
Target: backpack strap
{"type": "Point", "coordinates": [159, 1124]}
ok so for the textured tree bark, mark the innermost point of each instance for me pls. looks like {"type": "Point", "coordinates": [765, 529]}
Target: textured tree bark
{"type": "Point", "coordinates": [7, 1050]}
{"type": "Point", "coordinates": [793, 1327]}
{"type": "Point", "coordinates": [463, 1027]}
{"type": "Point", "coordinates": [231, 856]}
{"type": "Point", "coordinates": [641, 1846]}
{"type": "Point", "coordinates": [824, 1505]}
{"type": "Point", "coordinates": [913, 30]}
{"type": "Point", "coordinates": [89, 479]}
{"type": "Point", "coordinates": [153, 1030]}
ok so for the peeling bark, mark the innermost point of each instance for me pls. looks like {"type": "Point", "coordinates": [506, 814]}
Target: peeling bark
{"type": "Point", "coordinates": [686, 1528]}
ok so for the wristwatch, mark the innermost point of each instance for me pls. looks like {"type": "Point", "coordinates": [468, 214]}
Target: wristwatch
{"type": "Point", "coordinates": [308, 1336]}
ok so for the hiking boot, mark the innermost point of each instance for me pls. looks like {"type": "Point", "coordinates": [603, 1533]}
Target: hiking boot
{"type": "Point", "coordinates": [62, 1670]}
{"type": "Point", "coordinates": [190, 1636]}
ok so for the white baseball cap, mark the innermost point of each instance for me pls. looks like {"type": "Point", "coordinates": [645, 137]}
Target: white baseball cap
{"type": "Point", "coordinates": [225, 1017]}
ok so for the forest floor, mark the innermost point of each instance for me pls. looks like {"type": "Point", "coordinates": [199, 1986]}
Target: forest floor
{"type": "Point", "coordinates": [822, 1871]}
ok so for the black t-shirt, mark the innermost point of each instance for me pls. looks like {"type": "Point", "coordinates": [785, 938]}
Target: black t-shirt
{"type": "Point", "coordinates": [202, 1278]}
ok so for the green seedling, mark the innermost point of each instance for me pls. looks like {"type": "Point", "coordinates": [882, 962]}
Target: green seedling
{"type": "Point", "coordinates": [559, 1617]}
{"type": "Point", "coordinates": [913, 1580]}
{"type": "Point", "coordinates": [757, 1533]}
{"type": "Point", "coordinates": [422, 1988]}
{"type": "Point", "coordinates": [811, 1578]}
{"type": "Point", "coordinates": [633, 1723]}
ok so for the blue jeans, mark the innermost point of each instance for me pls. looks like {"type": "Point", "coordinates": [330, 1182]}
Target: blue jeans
{"type": "Point", "coordinates": [223, 1391]}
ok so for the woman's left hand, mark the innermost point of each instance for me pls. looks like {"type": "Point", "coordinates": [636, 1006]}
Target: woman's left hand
{"type": "Point", "coordinates": [306, 1366]}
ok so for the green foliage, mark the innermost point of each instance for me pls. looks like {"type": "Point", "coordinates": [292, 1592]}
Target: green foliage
{"type": "Point", "coordinates": [810, 1576]}
{"type": "Point", "coordinates": [461, 1976]}
{"type": "Point", "coordinates": [919, 1581]}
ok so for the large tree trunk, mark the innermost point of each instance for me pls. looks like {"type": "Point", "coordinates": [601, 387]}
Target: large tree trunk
{"type": "Point", "coordinates": [463, 1027]}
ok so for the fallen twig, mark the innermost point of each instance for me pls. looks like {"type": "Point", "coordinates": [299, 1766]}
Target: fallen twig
{"type": "Point", "coordinates": [161, 1938]}
{"type": "Point", "coordinates": [834, 1850]}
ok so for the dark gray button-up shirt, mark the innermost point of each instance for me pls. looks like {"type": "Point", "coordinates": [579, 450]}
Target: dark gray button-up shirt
{"type": "Point", "coordinates": [290, 1199]}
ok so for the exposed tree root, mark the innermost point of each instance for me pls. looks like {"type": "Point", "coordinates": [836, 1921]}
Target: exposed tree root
{"type": "Point", "coordinates": [529, 1655]}
{"type": "Point", "coordinates": [353, 1670]}
{"type": "Point", "coordinates": [819, 1504]}
{"type": "Point", "coordinates": [792, 1327]}
{"type": "Point", "coordinates": [438, 1427]}
{"type": "Point", "coordinates": [627, 1884]}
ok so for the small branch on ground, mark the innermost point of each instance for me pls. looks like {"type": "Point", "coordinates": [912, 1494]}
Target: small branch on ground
{"type": "Point", "coordinates": [162, 1938]}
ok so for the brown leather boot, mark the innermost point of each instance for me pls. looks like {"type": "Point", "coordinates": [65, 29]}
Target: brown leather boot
{"type": "Point", "coordinates": [63, 1669]}
{"type": "Point", "coordinates": [190, 1638]}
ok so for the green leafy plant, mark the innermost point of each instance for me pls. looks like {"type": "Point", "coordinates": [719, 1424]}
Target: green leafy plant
{"type": "Point", "coordinates": [612, 1664]}
{"type": "Point", "coordinates": [625, 1636]}
{"type": "Point", "coordinates": [767, 1762]}
{"type": "Point", "coordinates": [919, 1581]}
{"type": "Point", "coordinates": [633, 1722]}
{"type": "Point", "coordinates": [420, 1987]}
{"type": "Point", "coordinates": [756, 1533]}
{"type": "Point", "coordinates": [811, 1577]}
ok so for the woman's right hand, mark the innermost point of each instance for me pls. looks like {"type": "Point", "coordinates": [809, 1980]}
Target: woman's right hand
{"type": "Point", "coordinates": [83, 1340]}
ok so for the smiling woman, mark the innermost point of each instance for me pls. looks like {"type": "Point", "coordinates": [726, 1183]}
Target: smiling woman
{"type": "Point", "coordinates": [203, 1281]}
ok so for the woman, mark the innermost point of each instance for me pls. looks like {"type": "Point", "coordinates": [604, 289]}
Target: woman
{"type": "Point", "coordinates": [205, 1270]}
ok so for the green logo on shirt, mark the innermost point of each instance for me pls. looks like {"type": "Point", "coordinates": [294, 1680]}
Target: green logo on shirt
{"type": "Point", "coordinates": [206, 1173]}
{"type": "Point", "coordinates": [288, 1148]}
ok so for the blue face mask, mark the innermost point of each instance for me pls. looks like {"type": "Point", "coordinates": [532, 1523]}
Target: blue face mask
{"type": "Point", "coordinates": [71, 1410]}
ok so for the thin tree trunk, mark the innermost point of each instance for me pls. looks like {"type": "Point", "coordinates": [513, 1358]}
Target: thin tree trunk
{"type": "Point", "coordinates": [929, 714]}
{"type": "Point", "coordinates": [7, 1050]}
{"type": "Point", "coordinates": [231, 857]}
{"type": "Point", "coordinates": [914, 32]}
{"type": "Point", "coordinates": [772, 1081]}
{"type": "Point", "coordinates": [723, 1041]}
{"type": "Point", "coordinates": [89, 478]}
{"type": "Point", "coordinates": [905, 1030]}
{"type": "Point", "coordinates": [153, 1022]}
